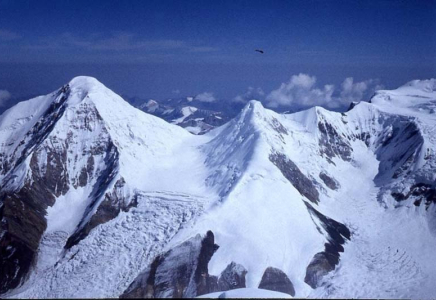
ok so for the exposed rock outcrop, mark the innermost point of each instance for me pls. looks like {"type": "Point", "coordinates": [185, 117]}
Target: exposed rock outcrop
{"type": "Point", "coordinates": [292, 173]}
{"type": "Point", "coordinates": [181, 272]}
{"type": "Point", "coordinates": [276, 280]}
{"type": "Point", "coordinates": [332, 144]}
{"type": "Point", "coordinates": [233, 277]}
{"type": "Point", "coordinates": [329, 181]}
{"type": "Point", "coordinates": [420, 193]}
{"type": "Point", "coordinates": [22, 211]}
{"type": "Point", "coordinates": [352, 105]}
{"type": "Point", "coordinates": [326, 261]}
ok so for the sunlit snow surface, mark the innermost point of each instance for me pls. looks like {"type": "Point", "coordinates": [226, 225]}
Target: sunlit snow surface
{"type": "Point", "coordinates": [246, 293]}
{"type": "Point", "coordinates": [223, 181]}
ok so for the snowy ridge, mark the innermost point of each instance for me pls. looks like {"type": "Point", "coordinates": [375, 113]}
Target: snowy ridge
{"type": "Point", "coordinates": [278, 192]}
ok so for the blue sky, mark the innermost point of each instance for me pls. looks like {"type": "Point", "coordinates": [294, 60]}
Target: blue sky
{"type": "Point", "coordinates": [162, 48]}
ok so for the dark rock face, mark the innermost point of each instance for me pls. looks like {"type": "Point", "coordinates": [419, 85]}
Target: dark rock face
{"type": "Point", "coordinates": [278, 127]}
{"type": "Point", "coordinates": [365, 137]}
{"type": "Point", "coordinates": [105, 205]}
{"type": "Point", "coordinates": [145, 282]}
{"type": "Point", "coordinates": [205, 282]}
{"type": "Point", "coordinates": [332, 144]}
{"type": "Point", "coordinates": [292, 173]}
{"type": "Point", "coordinates": [44, 126]}
{"type": "Point", "coordinates": [399, 163]}
{"type": "Point", "coordinates": [352, 105]}
{"type": "Point", "coordinates": [15, 260]}
{"type": "Point", "coordinates": [22, 212]}
{"type": "Point", "coordinates": [22, 226]}
{"type": "Point", "coordinates": [86, 172]}
{"type": "Point", "coordinates": [107, 212]}
{"type": "Point", "coordinates": [181, 272]}
{"type": "Point", "coordinates": [395, 161]}
{"type": "Point", "coordinates": [420, 192]}
{"type": "Point", "coordinates": [23, 209]}
{"type": "Point", "coordinates": [113, 203]}
{"type": "Point", "coordinates": [233, 277]}
{"type": "Point", "coordinates": [326, 261]}
{"type": "Point", "coordinates": [329, 182]}
{"type": "Point", "coordinates": [322, 263]}
{"type": "Point", "coordinates": [276, 280]}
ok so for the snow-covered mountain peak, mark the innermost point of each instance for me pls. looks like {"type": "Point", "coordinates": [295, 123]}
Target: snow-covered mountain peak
{"type": "Point", "coordinates": [251, 112]}
{"type": "Point", "coordinates": [311, 118]}
{"type": "Point", "coordinates": [85, 87]}
{"type": "Point", "coordinates": [427, 85]}
{"type": "Point", "coordinates": [85, 83]}
{"type": "Point", "coordinates": [417, 96]}
{"type": "Point", "coordinates": [254, 105]}
{"type": "Point", "coordinates": [419, 88]}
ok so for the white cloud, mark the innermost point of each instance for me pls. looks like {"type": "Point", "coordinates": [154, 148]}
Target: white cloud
{"type": "Point", "coordinates": [353, 91]}
{"type": "Point", "coordinates": [205, 97]}
{"type": "Point", "coordinates": [303, 81]}
{"type": "Point", "coordinates": [301, 91]}
{"type": "Point", "coordinates": [250, 94]}
{"type": "Point", "coordinates": [4, 96]}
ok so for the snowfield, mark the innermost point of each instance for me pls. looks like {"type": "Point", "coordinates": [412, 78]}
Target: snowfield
{"type": "Point", "coordinates": [275, 190]}
{"type": "Point", "coordinates": [246, 293]}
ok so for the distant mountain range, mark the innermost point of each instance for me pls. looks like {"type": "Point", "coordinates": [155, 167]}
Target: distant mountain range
{"type": "Point", "coordinates": [196, 116]}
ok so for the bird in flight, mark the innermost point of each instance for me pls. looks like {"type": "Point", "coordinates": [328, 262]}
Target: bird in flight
{"type": "Point", "coordinates": [258, 50]}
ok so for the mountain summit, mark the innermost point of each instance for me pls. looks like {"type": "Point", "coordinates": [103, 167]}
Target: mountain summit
{"type": "Point", "coordinates": [99, 199]}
